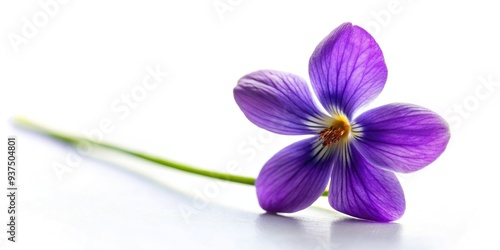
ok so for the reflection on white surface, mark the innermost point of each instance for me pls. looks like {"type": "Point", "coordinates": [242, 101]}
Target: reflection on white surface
{"type": "Point", "coordinates": [356, 234]}
{"type": "Point", "coordinates": [294, 233]}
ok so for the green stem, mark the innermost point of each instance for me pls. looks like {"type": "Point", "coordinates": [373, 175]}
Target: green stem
{"type": "Point", "coordinates": [75, 140]}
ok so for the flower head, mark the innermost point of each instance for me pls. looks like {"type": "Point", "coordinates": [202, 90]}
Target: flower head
{"type": "Point", "coordinates": [357, 155]}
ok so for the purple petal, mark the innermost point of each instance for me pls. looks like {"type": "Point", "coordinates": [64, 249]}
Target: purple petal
{"type": "Point", "coordinates": [362, 190]}
{"type": "Point", "coordinates": [347, 69]}
{"type": "Point", "coordinates": [279, 102]}
{"type": "Point", "coordinates": [401, 137]}
{"type": "Point", "coordinates": [294, 177]}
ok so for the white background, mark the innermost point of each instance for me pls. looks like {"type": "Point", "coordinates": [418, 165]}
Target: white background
{"type": "Point", "coordinates": [85, 55]}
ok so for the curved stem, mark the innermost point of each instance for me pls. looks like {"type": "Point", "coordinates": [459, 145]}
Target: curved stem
{"type": "Point", "coordinates": [75, 140]}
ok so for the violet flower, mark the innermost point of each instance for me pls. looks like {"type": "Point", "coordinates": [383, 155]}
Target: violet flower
{"type": "Point", "coordinates": [357, 154]}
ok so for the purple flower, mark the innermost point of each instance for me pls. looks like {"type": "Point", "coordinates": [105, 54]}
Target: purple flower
{"type": "Point", "coordinates": [357, 154]}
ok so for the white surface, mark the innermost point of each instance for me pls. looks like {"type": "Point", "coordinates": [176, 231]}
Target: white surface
{"type": "Point", "coordinates": [90, 53]}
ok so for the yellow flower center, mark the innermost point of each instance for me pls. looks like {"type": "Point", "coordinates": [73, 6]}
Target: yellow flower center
{"type": "Point", "coordinates": [338, 130]}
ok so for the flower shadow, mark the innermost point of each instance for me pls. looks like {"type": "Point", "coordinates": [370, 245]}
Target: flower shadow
{"type": "Point", "coordinates": [359, 234]}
